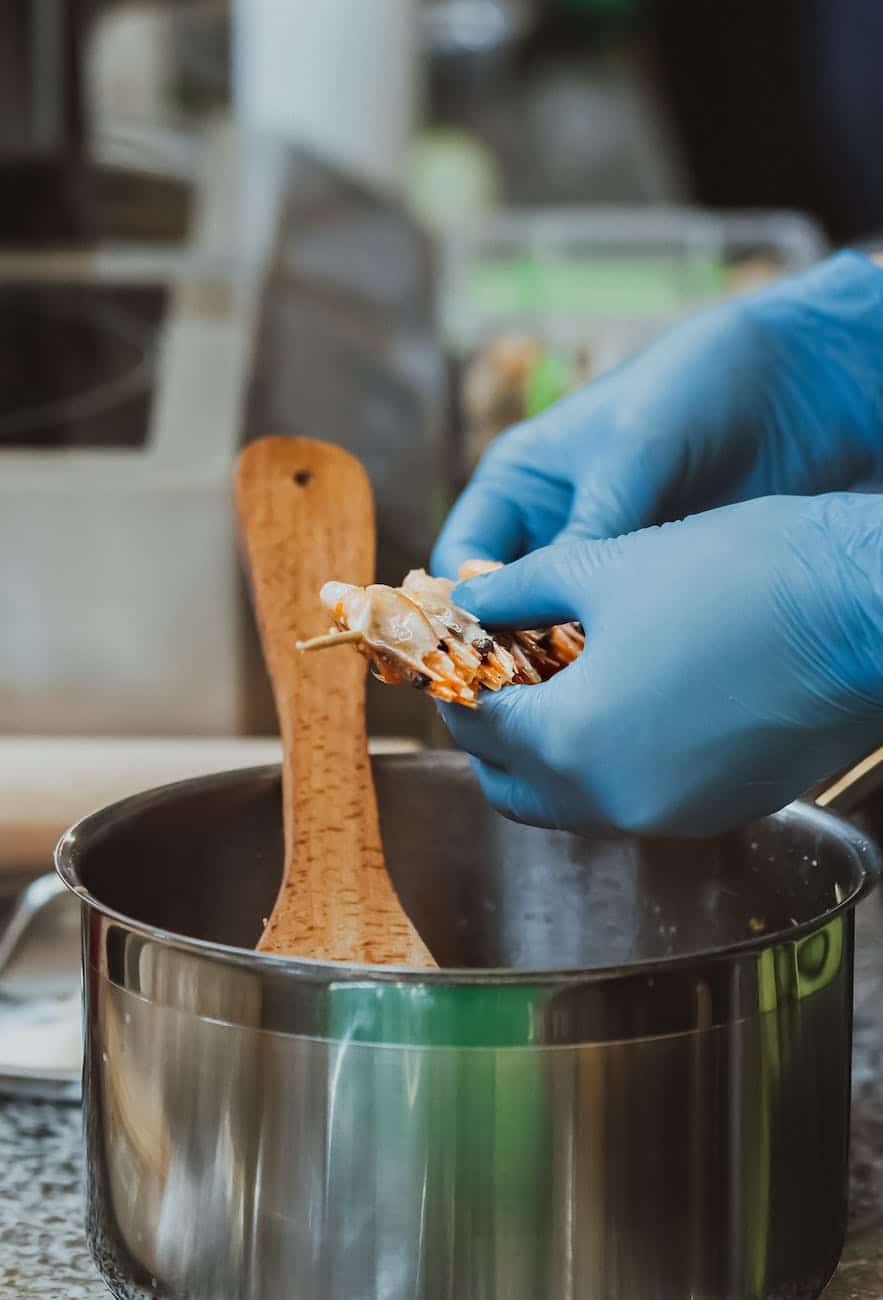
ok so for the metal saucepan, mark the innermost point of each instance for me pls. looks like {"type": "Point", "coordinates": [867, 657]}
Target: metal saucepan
{"type": "Point", "coordinates": [631, 1081]}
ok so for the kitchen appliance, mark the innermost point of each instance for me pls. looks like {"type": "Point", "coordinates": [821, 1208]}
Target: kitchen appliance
{"type": "Point", "coordinates": [632, 1079]}
{"type": "Point", "coordinates": [162, 293]}
{"type": "Point", "coordinates": [295, 302]}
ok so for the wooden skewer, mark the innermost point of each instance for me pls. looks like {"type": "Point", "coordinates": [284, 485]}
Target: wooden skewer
{"type": "Point", "coordinates": [327, 641]}
{"type": "Point", "coordinates": [306, 510]}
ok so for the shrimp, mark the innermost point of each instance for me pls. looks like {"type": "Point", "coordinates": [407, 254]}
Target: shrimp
{"type": "Point", "coordinates": [415, 634]}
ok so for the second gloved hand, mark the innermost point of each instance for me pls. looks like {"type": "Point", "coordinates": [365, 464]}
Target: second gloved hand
{"type": "Point", "coordinates": [731, 660]}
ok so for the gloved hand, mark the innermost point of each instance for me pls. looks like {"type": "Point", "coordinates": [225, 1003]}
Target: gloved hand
{"type": "Point", "coordinates": [781, 392]}
{"type": "Point", "coordinates": [731, 660]}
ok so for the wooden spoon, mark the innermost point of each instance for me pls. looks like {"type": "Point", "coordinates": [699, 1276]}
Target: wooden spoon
{"type": "Point", "coordinates": [306, 514]}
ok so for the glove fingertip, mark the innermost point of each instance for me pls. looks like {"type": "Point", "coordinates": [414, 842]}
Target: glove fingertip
{"type": "Point", "coordinates": [464, 596]}
{"type": "Point", "coordinates": [486, 595]}
{"type": "Point", "coordinates": [444, 561]}
{"type": "Point", "coordinates": [448, 558]}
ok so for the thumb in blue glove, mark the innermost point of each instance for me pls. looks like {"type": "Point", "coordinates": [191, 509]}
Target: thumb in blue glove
{"type": "Point", "coordinates": [732, 660]}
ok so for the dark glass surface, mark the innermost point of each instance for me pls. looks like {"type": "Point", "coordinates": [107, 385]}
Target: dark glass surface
{"type": "Point", "coordinates": [76, 364]}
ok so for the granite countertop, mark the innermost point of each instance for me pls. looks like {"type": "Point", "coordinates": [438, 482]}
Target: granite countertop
{"type": "Point", "coordinates": [42, 1243]}
{"type": "Point", "coordinates": [43, 1253]}
{"type": "Point", "coordinates": [860, 1276]}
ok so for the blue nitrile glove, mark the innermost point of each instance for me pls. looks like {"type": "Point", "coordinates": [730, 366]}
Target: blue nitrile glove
{"type": "Point", "coordinates": [781, 392]}
{"type": "Point", "coordinates": [731, 661]}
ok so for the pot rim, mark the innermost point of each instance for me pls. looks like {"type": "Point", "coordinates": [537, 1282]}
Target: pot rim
{"type": "Point", "coordinates": [101, 822]}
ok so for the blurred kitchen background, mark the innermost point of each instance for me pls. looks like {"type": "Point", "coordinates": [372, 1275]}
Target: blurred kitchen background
{"type": "Point", "coordinates": [395, 224]}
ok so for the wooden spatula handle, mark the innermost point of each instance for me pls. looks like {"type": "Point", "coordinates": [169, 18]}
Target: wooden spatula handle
{"type": "Point", "coordinates": [306, 515]}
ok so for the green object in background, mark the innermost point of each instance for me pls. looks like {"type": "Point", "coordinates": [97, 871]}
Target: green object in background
{"type": "Point", "coordinates": [601, 285]}
{"type": "Point", "coordinates": [549, 379]}
{"type": "Point", "coordinates": [452, 178]}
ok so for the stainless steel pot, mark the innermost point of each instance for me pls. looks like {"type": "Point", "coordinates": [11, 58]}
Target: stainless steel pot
{"type": "Point", "coordinates": [631, 1084]}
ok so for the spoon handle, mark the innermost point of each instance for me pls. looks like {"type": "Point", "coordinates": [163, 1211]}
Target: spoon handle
{"type": "Point", "coordinates": [306, 514]}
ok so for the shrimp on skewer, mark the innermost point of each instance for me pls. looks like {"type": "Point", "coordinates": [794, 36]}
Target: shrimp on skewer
{"type": "Point", "coordinates": [415, 634]}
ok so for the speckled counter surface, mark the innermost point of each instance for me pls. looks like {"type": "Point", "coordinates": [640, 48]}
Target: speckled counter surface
{"type": "Point", "coordinates": [42, 1247]}
{"type": "Point", "coordinates": [860, 1276]}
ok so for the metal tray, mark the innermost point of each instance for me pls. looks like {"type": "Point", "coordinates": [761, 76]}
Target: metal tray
{"type": "Point", "coordinates": [40, 1004]}
{"type": "Point", "coordinates": [608, 277]}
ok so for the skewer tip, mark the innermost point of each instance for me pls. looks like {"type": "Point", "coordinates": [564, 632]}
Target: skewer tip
{"type": "Point", "coordinates": [327, 641]}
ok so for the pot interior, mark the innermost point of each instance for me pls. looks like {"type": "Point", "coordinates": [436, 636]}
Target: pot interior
{"type": "Point", "coordinates": [202, 859]}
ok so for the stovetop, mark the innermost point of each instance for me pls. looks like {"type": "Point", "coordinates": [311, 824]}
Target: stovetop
{"type": "Point", "coordinates": [77, 363]}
